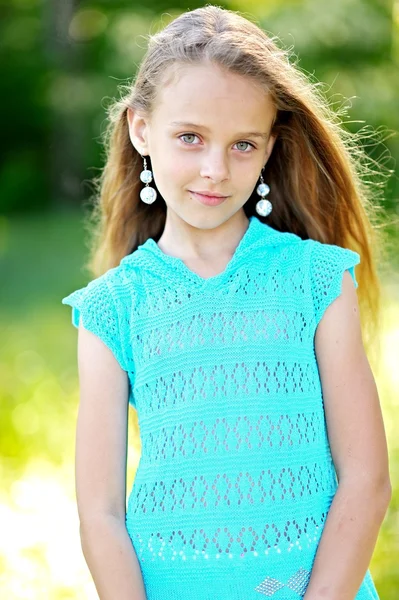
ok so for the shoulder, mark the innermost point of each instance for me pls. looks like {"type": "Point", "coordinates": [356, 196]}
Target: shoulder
{"type": "Point", "coordinates": [331, 254]}
{"type": "Point", "coordinates": [327, 264]}
{"type": "Point", "coordinates": [268, 236]}
{"type": "Point", "coordinates": [317, 253]}
{"type": "Point", "coordinates": [307, 269]}
{"type": "Point", "coordinates": [118, 281]}
{"type": "Point", "coordinates": [284, 250]}
{"type": "Point", "coordinates": [281, 248]}
{"type": "Point", "coordinates": [111, 291]}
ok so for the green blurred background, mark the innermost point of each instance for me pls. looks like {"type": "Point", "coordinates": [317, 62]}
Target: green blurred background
{"type": "Point", "coordinates": [61, 62]}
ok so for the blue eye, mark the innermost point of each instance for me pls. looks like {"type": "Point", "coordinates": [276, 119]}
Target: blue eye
{"type": "Point", "coordinates": [188, 135]}
{"type": "Point", "coordinates": [192, 135]}
{"type": "Point", "coordinates": [248, 144]}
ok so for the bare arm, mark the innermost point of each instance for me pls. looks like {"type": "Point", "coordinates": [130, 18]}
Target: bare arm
{"type": "Point", "coordinates": [359, 450]}
{"type": "Point", "coordinates": [100, 467]}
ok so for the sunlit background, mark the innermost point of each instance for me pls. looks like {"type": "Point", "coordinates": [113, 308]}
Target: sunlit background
{"type": "Point", "coordinates": [61, 62]}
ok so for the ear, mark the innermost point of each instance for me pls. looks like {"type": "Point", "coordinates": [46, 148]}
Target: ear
{"type": "Point", "coordinates": [138, 131]}
{"type": "Point", "coordinates": [269, 147]}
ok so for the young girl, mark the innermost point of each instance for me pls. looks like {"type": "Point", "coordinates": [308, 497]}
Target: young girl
{"type": "Point", "coordinates": [225, 311]}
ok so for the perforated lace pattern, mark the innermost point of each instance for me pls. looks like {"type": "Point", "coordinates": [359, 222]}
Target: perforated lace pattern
{"type": "Point", "coordinates": [236, 467]}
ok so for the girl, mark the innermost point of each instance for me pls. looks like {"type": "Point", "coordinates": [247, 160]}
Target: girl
{"type": "Point", "coordinates": [230, 321]}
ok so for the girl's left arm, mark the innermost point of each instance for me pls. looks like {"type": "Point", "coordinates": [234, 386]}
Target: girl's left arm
{"type": "Point", "coordinates": [359, 451]}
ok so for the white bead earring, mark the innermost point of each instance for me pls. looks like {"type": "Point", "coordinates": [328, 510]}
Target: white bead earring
{"type": "Point", "coordinates": [263, 207]}
{"type": "Point", "coordinates": [147, 194]}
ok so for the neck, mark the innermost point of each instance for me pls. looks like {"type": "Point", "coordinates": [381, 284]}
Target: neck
{"type": "Point", "coordinates": [197, 242]}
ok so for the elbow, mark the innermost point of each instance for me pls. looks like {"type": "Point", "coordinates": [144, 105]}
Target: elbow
{"type": "Point", "coordinates": [384, 499]}
{"type": "Point", "coordinates": [386, 492]}
{"type": "Point", "coordinates": [375, 490]}
{"type": "Point", "coordinates": [95, 525]}
{"type": "Point", "coordinates": [84, 542]}
{"type": "Point", "coordinates": [380, 494]}
{"type": "Point", "coordinates": [85, 533]}
{"type": "Point", "coordinates": [382, 487]}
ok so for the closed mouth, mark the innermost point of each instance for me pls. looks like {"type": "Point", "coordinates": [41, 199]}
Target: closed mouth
{"type": "Point", "coordinates": [210, 195]}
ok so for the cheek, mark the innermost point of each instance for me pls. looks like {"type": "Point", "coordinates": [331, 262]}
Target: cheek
{"type": "Point", "coordinates": [251, 174]}
{"type": "Point", "coordinates": [180, 172]}
{"type": "Point", "coordinates": [174, 169]}
{"type": "Point", "coordinates": [172, 174]}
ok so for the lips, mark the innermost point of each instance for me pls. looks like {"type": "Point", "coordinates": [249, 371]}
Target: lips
{"type": "Point", "coordinates": [211, 194]}
{"type": "Point", "coordinates": [208, 200]}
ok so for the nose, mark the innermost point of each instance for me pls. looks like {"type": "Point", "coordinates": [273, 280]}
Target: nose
{"type": "Point", "coordinates": [215, 166]}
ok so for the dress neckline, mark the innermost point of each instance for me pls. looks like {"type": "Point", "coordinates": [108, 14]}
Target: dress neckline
{"type": "Point", "coordinates": [254, 231]}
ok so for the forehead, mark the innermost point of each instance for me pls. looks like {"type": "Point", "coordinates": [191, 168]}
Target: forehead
{"type": "Point", "coordinates": [214, 97]}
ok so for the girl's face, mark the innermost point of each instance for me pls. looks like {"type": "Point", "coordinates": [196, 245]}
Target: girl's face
{"type": "Point", "coordinates": [209, 131]}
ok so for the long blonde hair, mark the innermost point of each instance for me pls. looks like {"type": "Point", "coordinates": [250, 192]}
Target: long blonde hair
{"type": "Point", "coordinates": [315, 169]}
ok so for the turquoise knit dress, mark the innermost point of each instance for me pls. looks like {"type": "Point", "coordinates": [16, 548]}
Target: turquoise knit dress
{"type": "Point", "coordinates": [236, 476]}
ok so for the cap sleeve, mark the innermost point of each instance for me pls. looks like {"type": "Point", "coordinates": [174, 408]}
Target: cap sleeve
{"type": "Point", "coordinates": [96, 306]}
{"type": "Point", "coordinates": [327, 265]}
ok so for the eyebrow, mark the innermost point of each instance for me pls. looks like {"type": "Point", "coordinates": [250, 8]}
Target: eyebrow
{"type": "Point", "coordinates": [264, 136]}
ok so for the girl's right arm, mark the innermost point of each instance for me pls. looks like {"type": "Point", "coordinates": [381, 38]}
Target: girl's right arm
{"type": "Point", "coordinates": [100, 471]}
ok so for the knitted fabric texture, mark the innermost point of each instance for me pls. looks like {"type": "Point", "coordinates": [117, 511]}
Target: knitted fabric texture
{"type": "Point", "coordinates": [236, 476]}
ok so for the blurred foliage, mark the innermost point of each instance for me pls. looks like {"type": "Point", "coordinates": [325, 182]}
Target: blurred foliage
{"type": "Point", "coordinates": [40, 554]}
{"type": "Point", "coordinates": [61, 63]}
{"type": "Point", "coordinates": [39, 394]}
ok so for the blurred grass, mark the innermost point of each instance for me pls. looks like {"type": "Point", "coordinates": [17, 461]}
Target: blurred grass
{"type": "Point", "coordinates": [40, 557]}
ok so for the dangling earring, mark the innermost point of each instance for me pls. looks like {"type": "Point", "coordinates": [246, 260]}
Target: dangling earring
{"type": "Point", "coordinates": [263, 207]}
{"type": "Point", "coordinates": [147, 194]}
